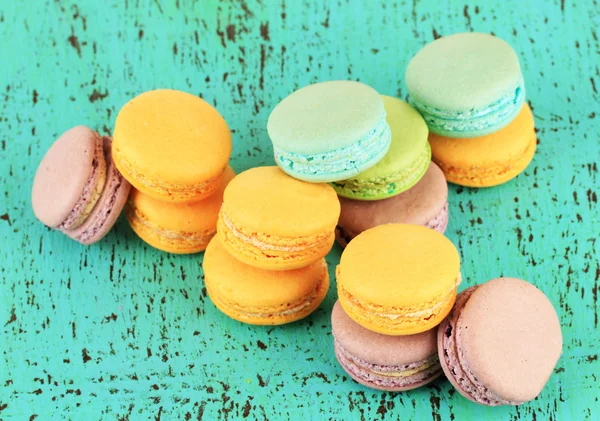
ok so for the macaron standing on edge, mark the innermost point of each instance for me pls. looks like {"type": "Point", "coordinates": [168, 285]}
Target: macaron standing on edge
{"type": "Point", "coordinates": [426, 204]}
{"type": "Point", "coordinates": [171, 145]}
{"type": "Point", "coordinates": [501, 342]}
{"type": "Point", "coordinates": [180, 228]}
{"type": "Point", "coordinates": [329, 131]}
{"type": "Point", "coordinates": [403, 165]}
{"type": "Point", "coordinates": [262, 297]}
{"type": "Point", "coordinates": [384, 362]}
{"type": "Point", "coordinates": [398, 279]}
{"type": "Point", "coordinates": [273, 221]}
{"type": "Point", "coordinates": [77, 188]}
{"type": "Point", "coordinates": [466, 84]}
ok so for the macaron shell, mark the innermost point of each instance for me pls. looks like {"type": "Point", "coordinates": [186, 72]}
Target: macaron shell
{"type": "Point", "coordinates": [463, 71]}
{"type": "Point", "coordinates": [109, 205]}
{"type": "Point", "coordinates": [65, 175]}
{"type": "Point", "coordinates": [238, 289]}
{"type": "Point", "coordinates": [266, 200]}
{"type": "Point", "coordinates": [325, 116]}
{"type": "Point", "coordinates": [375, 348]}
{"type": "Point", "coordinates": [510, 337]}
{"type": "Point", "coordinates": [487, 160]}
{"type": "Point", "coordinates": [418, 206]}
{"type": "Point", "coordinates": [171, 145]}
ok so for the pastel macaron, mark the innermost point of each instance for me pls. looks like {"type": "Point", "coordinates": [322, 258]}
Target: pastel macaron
{"type": "Point", "coordinates": [384, 362]}
{"type": "Point", "coordinates": [488, 160]}
{"type": "Point", "coordinates": [398, 279]}
{"type": "Point", "coordinates": [258, 296]}
{"type": "Point", "coordinates": [405, 162]}
{"type": "Point", "coordinates": [426, 204]}
{"type": "Point", "coordinates": [466, 85]}
{"type": "Point", "coordinates": [74, 190]}
{"type": "Point", "coordinates": [179, 228]}
{"type": "Point", "coordinates": [501, 342]}
{"type": "Point", "coordinates": [329, 131]}
{"type": "Point", "coordinates": [273, 221]}
{"type": "Point", "coordinates": [171, 145]}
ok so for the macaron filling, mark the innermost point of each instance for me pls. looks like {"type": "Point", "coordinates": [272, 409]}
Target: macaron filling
{"type": "Point", "coordinates": [476, 120]}
{"type": "Point", "coordinates": [401, 316]}
{"type": "Point", "coordinates": [183, 241]}
{"type": "Point", "coordinates": [388, 376]}
{"type": "Point", "coordinates": [264, 244]}
{"type": "Point", "coordinates": [383, 187]}
{"type": "Point", "coordinates": [176, 192]}
{"type": "Point", "coordinates": [455, 364]}
{"type": "Point", "coordinates": [104, 208]}
{"type": "Point", "coordinates": [351, 159]}
{"type": "Point", "coordinates": [91, 192]}
{"type": "Point", "coordinates": [489, 174]}
{"type": "Point", "coordinates": [440, 221]}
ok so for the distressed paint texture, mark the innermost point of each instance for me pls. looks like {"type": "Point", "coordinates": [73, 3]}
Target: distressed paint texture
{"type": "Point", "coordinates": [121, 331]}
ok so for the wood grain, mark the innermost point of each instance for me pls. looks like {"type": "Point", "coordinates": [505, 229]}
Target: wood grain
{"type": "Point", "coordinates": [122, 331]}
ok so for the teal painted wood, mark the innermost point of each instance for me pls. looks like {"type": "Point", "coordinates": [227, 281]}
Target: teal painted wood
{"type": "Point", "coordinates": [122, 331]}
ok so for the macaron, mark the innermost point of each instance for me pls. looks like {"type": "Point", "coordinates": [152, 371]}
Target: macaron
{"type": "Point", "coordinates": [108, 207]}
{"type": "Point", "coordinates": [75, 191]}
{"type": "Point", "coordinates": [426, 204]}
{"type": "Point", "coordinates": [384, 362]}
{"type": "Point", "coordinates": [69, 179]}
{"type": "Point", "coordinates": [405, 162]}
{"type": "Point", "coordinates": [488, 160]}
{"type": "Point", "coordinates": [329, 131]}
{"type": "Point", "coordinates": [171, 145]}
{"type": "Point", "coordinates": [398, 279]}
{"type": "Point", "coordinates": [258, 296]}
{"type": "Point", "coordinates": [180, 228]}
{"type": "Point", "coordinates": [466, 85]}
{"type": "Point", "coordinates": [500, 343]}
{"type": "Point", "coordinates": [273, 221]}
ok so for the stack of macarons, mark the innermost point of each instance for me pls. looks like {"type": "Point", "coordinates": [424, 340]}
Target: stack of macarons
{"type": "Point", "coordinates": [470, 90]}
{"type": "Point", "coordinates": [372, 149]}
{"type": "Point", "coordinates": [267, 264]}
{"type": "Point", "coordinates": [174, 148]}
{"type": "Point", "coordinates": [399, 324]}
{"type": "Point", "coordinates": [396, 283]}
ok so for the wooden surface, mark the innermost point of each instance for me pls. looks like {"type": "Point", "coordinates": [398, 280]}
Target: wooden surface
{"type": "Point", "coordinates": [122, 331]}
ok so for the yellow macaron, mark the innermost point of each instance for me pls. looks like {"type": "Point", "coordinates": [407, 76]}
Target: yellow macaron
{"type": "Point", "coordinates": [258, 296]}
{"type": "Point", "coordinates": [488, 160]}
{"type": "Point", "coordinates": [171, 145]}
{"type": "Point", "coordinates": [176, 227]}
{"type": "Point", "coordinates": [273, 221]}
{"type": "Point", "coordinates": [398, 279]}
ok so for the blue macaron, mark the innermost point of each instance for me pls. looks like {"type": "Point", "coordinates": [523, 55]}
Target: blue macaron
{"type": "Point", "coordinates": [329, 131]}
{"type": "Point", "coordinates": [466, 85]}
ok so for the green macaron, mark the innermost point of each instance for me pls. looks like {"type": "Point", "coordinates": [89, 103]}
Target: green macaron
{"type": "Point", "coordinates": [404, 164]}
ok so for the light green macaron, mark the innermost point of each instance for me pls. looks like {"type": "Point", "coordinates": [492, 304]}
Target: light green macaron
{"type": "Point", "coordinates": [405, 162]}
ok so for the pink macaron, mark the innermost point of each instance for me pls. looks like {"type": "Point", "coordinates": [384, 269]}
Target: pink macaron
{"type": "Point", "coordinates": [426, 203]}
{"type": "Point", "coordinates": [77, 188]}
{"type": "Point", "coordinates": [500, 343]}
{"type": "Point", "coordinates": [383, 362]}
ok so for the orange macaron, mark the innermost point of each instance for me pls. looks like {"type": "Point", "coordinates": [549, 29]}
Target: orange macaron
{"type": "Point", "coordinates": [176, 227]}
{"type": "Point", "coordinates": [487, 160]}
{"type": "Point", "coordinates": [171, 145]}
{"type": "Point", "coordinates": [273, 221]}
{"type": "Point", "coordinates": [398, 279]}
{"type": "Point", "coordinates": [262, 297]}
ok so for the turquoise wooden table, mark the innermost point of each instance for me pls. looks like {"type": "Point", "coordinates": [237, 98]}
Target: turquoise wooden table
{"type": "Point", "coordinates": [121, 331]}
